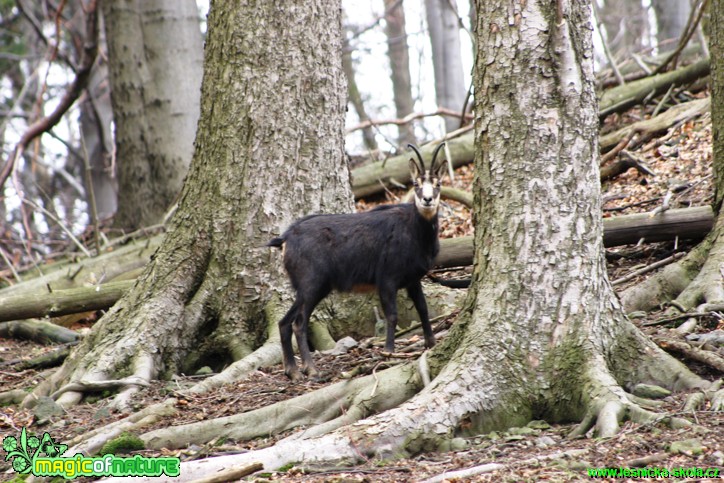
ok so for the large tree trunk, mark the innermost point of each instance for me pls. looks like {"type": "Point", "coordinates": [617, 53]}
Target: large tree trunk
{"type": "Point", "coordinates": [269, 149]}
{"type": "Point", "coordinates": [450, 90]}
{"type": "Point", "coordinates": [398, 54]}
{"type": "Point", "coordinates": [155, 56]}
{"type": "Point", "coordinates": [541, 334]}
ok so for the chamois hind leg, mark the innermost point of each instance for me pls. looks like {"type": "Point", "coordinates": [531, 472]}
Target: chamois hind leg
{"type": "Point", "coordinates": [388, 300]}
{"type": "Point", "coordinates": [301, 331]}
{"type": "Point", "coordinates": [285, 334]}
{"type": "Point", "coordinates": [414, 291]}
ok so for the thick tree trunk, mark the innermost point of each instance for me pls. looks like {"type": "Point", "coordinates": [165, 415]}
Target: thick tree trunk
{"type": "Point", "coordinates": [268, 150]}
{"type": "Point", "coordinates": [355, 98]}
{"type": "Point", "coordinates": [155, 56]}
{"type": "Point", "coordinates": [450, 90]}
{"type": "Point", "coordinates": [397, 52]}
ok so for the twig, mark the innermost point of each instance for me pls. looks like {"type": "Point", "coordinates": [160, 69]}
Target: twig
{"type": "Point", "coordinates": [409, 118]}
{"type": "Point", "coordinates": [61, 225]}
{"type": "Point", "coordinates": [647, 269]}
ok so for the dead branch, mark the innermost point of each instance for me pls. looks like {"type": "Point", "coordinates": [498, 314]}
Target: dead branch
{"type": "Point", "coordinates": [709, 358]}
{"type": "Point", "coordinates": [620, 98]}
{"type": "Point", "coordinates": [44, 124]}
{"type": "Point", "coordinates": [409, 118]}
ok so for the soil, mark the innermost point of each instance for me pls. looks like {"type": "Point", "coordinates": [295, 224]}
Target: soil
{"type": "Point", "coordinates": [541, 451]}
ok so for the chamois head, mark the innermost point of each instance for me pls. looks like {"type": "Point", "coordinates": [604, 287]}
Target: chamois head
{"type": "Point", "coordinates": [427, 182]}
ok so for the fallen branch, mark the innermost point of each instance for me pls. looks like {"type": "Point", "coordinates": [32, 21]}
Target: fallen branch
{"type": "Point", "coordinates": [656, 124]}
{"type": "Point", "coordinates": [231, 474]}
{"type": "Point", "coordinates": [648, 269]}
{"type": "Point", "coordinates": [39, 331]}
{"type": "Point", "coordinates": [620, 98]}
{"type": "Point", "coordinates": [407, 119]}
{"type": "Point", "coordinates": [63, 302]}
{"type": "Point", "coordinates": [709, 358]}
{"type": "Point", "coordinates": [490, 467]}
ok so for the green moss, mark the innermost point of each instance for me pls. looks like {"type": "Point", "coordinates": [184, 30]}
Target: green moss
{"type": "Point", "coordinates": [125, 443]}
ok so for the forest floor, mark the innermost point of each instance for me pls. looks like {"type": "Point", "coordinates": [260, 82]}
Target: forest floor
{"type": "Point", "coordinates": [539, 451]}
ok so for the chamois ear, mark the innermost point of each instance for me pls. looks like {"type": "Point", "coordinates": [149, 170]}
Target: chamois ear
{"type": "Point", "coordinates": [415, 170]}
{"type": "Point", "coordinates": [441, 170]}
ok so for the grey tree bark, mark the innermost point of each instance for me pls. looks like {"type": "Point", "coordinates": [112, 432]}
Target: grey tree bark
{"type": "Point", "coordinates": [450, 89]}
{"type": "Point", "coordinates": [155, 56]}
{"type": "Point", "coordinates": [398, 53]}
{"type": "Point", "coordinates": [541, 334]}
{"type": "Point", "coordinates": [671, 17]}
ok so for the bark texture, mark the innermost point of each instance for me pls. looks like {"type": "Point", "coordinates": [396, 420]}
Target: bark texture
{"type": "Point", "coordinates": [155, 55]}
{"type": "Point", "coordinates": [268, 150]}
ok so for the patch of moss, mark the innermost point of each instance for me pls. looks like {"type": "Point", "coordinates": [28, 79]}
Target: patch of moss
{"type": "Point", "coordinates": [125, 443]}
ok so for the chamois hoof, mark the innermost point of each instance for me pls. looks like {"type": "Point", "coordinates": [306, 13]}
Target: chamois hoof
{"type": "Point", "coordinates": [294, 375]}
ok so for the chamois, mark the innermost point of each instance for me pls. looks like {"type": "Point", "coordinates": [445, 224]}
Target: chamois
{"type": "Point", "coordinates": [387, 248]}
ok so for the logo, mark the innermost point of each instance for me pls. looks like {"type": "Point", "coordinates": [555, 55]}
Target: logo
{"type": "Point", "coordinates": [44, 457]}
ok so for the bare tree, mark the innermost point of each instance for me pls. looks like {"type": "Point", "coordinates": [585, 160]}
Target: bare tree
{"type": "Point", "coordinates": [444, 29]}
{"type": "Point", "coordinates": [627, 26]}
{"type": "Point", "coordinates": [155, 56]}
{"type": "Point", "coordinates": [398, 53]}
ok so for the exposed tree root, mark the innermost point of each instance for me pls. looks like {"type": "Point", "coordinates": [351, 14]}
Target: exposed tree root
{"type": "Point", "coordinates": [91, 442]}
{"type": "Point", "coordinates": [694, 280]}
{"type": "Point", "coordinates": [338, 404]}
{"type": "Point", "coordinates": [709, 358]}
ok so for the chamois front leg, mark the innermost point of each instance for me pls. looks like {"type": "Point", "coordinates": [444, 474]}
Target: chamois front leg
{"type": "Point", "coordinates": [414, 291]}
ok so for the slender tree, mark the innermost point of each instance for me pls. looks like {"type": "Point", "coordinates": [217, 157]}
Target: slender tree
{"type": "Point", "coordinates": [155, 56]}
{"type": "Point", "coordinates": [671, 17]}
{"type": "Point", "coordinates": [444, 29]}
{"type": "Point", "coordinates": [398, 53]}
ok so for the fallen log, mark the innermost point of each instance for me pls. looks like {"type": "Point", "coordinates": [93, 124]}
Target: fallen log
{"type": "Point", "coordinates": [656, 124]}
{"type": "Point", "coordinates": [375, 177]}
{"type": "Point", "coordinates": [620, 98]}
{"type": "Point", "coordinates": [685, 223]}
{"type": "Point", "coordinates": [62, 302]}
{"type": "Point", "coordinates": [39, 331]}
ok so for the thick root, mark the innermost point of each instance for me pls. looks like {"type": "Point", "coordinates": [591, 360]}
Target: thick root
{"type": "Point", "coordinates": [357, 398]}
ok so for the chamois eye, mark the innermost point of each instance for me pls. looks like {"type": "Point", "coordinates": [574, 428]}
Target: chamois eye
{"type": "Point", "coordinates": [415, 184]}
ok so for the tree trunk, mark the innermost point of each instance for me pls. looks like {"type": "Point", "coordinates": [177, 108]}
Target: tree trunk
{"type": "Point", "coordinates": [154, 51]}
{"type": "Point", "coordinates": [671, 17]}
{"type": "Point", "coordinates": [450, 90]}
{"type": "Point", "coordinates": [269, 148]}
{"type": "Point", "coordinates": [626, 27]}
{"type": "Point", "coordinates": [398, 53]}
